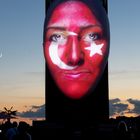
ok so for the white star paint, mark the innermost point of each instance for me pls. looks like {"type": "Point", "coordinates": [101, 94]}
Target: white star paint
{"type": "Point", "coordinates": [95, 49]}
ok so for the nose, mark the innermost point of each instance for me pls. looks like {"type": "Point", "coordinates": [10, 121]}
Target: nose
{"type": "Point", "coordinates": [75, 56]}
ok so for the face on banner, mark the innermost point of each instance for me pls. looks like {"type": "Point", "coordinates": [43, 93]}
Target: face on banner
{"type": "Point", "coordinates": [75, 48]}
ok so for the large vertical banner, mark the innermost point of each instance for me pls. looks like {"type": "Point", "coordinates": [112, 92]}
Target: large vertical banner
{"type": "Point", "coordinates": [76, 48]}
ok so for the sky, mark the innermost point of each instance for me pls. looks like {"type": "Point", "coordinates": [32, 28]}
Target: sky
{"type": "Point", "coordinates": [124, 66]}
{"type": "Point", "coordinates": [22, 64]}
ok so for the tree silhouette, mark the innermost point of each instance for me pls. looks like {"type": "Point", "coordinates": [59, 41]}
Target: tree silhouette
{"type": "Point", "coordinates": [8, 114]}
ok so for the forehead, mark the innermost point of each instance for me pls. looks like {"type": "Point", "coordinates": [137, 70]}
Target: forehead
{"type": "Point", "coordinates": [72, 13]}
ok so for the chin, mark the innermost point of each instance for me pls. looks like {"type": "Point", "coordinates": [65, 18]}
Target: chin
{"type": "Point", "coordinates": [75, 95]}
{"type": "Point", "coordinates": [74, 92]}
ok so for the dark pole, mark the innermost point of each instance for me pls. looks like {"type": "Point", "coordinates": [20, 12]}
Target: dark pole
{"type": "Point", "coordinates": [101, 91]}
{"type": "Point", "coordinates": [47, 4]}
{"type": "Point", "coordinates": [105, 5]}
{"type": "Point", "coordinates": [104, 80]}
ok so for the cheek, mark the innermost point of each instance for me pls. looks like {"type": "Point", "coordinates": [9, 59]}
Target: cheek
{"type": "Point", "coordinates": [61, 50]}
{"type": "Point", "coordinates": [105, 48]}
{"type": "Point", "coordinates": [47, 55]}
{"type": "Point", "coordinates": [47, 46]}
{"type": "Point", "coordinates": [96, 60]}
{"type": "Point", "coordinates": [52, 67]}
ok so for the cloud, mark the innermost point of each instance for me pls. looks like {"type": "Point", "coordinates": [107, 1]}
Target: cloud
{"type": "Point", "coordinates": [136, 103]}
{"type": "Point", "coordinates": [117, 107]}
{"type": "Point", "coordinates": [112, 101]}
{"type": "Point", "coordinates": [129, 107]}
{"type": "Point", "coordinates": [34, 112]}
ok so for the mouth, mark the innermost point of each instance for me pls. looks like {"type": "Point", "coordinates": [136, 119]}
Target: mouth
{"type": "Point", "coordinates": [75, 74]}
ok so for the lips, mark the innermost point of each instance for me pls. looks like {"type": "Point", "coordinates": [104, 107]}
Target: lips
{"type": "Point", "coordinates": [76, 74]}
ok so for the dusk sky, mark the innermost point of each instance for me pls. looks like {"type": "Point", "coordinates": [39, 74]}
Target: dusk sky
{"type": "Point", "coordinates": [22, 64]}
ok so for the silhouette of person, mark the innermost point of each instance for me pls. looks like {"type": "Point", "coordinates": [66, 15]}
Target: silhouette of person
{"type": "Point", "coordinates": [122, 131]}
{"type": "Point", "coordinates": [23, 132]}
{"type": "Point", "coordinates": [76, 45]}
{"type": "Point", "coordinates": [11, 132]}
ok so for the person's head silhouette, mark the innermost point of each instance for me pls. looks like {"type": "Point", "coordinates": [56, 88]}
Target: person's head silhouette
{"type": "Point", "coordinates": [76, 45]}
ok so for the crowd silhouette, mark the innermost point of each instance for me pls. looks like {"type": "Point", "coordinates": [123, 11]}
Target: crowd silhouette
{"type": "Point", "coordinates": [112, 129]}
{"type": "Point", "coordinates": [15, 131]}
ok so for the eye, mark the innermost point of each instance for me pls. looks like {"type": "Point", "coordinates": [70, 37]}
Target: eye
{"type": "Point", "coordinates": [92, 37]}
{"type": "Point", "coordinates": [55, 37]}
{"type": "Point", "coordinates": [58, 38]}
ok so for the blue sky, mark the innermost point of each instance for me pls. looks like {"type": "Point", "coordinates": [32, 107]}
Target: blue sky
{"type": "Point", "coordinates": [22, 66]}
{"type": "Point", "coordinates": [124, 57]}
{"type": "Point", "coordinates": [124, 23]}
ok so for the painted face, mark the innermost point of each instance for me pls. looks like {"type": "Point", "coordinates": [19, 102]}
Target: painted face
{"type": "Point", "coordinates": [75, 48]}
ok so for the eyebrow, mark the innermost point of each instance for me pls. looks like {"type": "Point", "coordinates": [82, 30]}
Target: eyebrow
{"type": "Point", "coordinates": [64, 28]}
{"type": "Point", "coordinates": [91, 26]}
{"type": "Point", "coordinates": [56, 28]}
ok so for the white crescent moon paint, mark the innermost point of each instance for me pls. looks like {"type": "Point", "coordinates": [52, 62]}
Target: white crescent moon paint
{"type": "Point", "coordinates": [53, 51]}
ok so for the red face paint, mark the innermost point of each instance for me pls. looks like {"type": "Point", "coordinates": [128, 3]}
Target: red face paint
{"type": "Point", "coordinates": [75, 48]}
